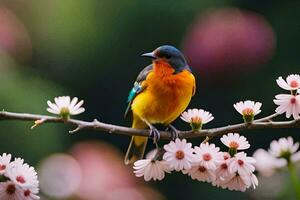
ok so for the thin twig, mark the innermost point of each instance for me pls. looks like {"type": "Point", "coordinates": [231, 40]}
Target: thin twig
{"type": "Point", "coordinates": [262, 123]}
{"type": "Point", "coordinates": [268, 118]}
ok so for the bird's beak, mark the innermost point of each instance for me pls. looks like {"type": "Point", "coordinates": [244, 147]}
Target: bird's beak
{"type": "Point", "coordinates": [149, 55]}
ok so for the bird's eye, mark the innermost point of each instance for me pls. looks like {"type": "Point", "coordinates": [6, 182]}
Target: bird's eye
{"type": "Point", "coordinates": [167, 56]}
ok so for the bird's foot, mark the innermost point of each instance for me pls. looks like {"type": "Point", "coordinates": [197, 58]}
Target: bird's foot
{"type": "Point", "coordinates": [154, 134]}
{"type": "Point", "coordinates": [174, 131]}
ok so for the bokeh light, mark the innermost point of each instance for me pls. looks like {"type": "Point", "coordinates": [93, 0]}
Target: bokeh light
{"type": "Point", "coordinates": [102, 169]}
{"type": "Point", "coordinates": [59, 175]}
{"type": "Point", "coordinates": [125, 194]}
{"type": "Point", "coordinates": [229, 39]}
{"type": "Point", "coordinates": [95, 172]}
{"type": "Point", "coordinates": [14, 37]}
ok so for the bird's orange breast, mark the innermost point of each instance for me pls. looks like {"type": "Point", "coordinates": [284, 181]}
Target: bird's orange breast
{"type": "Point", "coordinates": [166, 95]}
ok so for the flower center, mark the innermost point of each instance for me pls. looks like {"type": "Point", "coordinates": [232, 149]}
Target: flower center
{"type": "Point", "coordinates": [11, 189]}
{"type": "Point", "coordinates": [233, 145]}
{"type": "Point", "coordinates": [2, 167]}
{"type": "Point", "coordinates": [224, 166]}
{"type": "Point", "coordinates": [202, 169]}
{"type": "Point", "coordinates": [27, 193]}
{"type": "Point", "coordinates": [294, 84]}
{"type": "Point", "coordinates": [248, 111]}
{"type": "Point", "coordinates": [206, 157]}
{"type": "Point", "coordinates": [240, 162]}
{"type": "Point", "coordinates": [285, 154]}
{"type": "Point", "coordinates": [20, 179]}
{"type": "Point", "coordinates": [196, 119]}
{"type": "Point", "coordinates": [64, 111]}
{"type": "Point", "coordinates": [179, 155]}
{"type": "Point", "coordinates": [293, 100]}
{"type": "Point", "coordinates": [225, 157]}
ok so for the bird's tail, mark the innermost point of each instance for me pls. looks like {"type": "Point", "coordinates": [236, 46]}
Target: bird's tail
{"type": "Point", "coordinates": [137, 144]}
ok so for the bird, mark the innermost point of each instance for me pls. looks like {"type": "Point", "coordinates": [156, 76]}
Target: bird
{"type": "Point", "coordinates": [161, 92]}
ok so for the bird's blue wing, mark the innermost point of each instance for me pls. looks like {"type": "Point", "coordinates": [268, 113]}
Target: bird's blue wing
{"type": "Point", "coordinates": [134, 91]}
{"type": "Point", "coordinates": [137, 87]}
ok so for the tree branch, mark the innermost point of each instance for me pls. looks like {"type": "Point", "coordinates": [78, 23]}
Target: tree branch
{"type": "Point", "coordinates": [262, 123]}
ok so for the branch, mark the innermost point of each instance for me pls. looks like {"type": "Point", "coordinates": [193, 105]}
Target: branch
{"type": "Point", "coordinates": [268, 118]}
{"type": "Point", "coordinates": [96, 125]}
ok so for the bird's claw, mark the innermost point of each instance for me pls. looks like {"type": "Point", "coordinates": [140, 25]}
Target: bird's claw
{"type": "Point", "coordinates": [174, 132]}
{"type": "Point", "coordinates": [154, 134]}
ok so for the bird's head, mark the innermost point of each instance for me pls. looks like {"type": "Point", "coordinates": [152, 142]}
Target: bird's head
{"type": "Point", "coordinates": [170, 55]}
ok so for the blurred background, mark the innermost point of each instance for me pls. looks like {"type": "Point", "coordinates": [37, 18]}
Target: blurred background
{"type": "Point", "coordinates": [91, 49]}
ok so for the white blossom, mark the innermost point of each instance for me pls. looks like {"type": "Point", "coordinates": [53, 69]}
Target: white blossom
{"type": "Point", "coordinates": [208, 155]}
{"type": "Point", "coordinates": [235, 141]}
{"type": "Point", "coordinates": [288, 104]}
{"type": "Point", "coordinates": [266, 164]}
{"type": "Point", "coordinates": [283, 146]}
{"type": "Point", "coordinates": [20, 181]}
{"type": "Point", "coordinates": [4, 162]}
{"type": "Point", "coordinates": [235, 182]}
{"type": "Point", "coordinates": [222, 172]}
{"type": "Point", "coordinates": [201, 173]}
{"type": "Point", "coordinates": [64, 106]}
{"type": "Point", "coordinates": [10, 191]}
{"type": "Point", "coordinates": [23, 175]}
{"type": "Point", "coordinates": [196, 116]}
{"type": "Point", "coordinates": [150, 168]}
{"type": "Point", "coordinates": [240, 183]}
{"type": "Point", "coordinates": [179, 154]}
{"type": "Point", "coordinates": [248, 107]}
{"type": "Point", "coordinates": [30, 194]}
{"type": "Point", "coordinates": [242, 164]}
{"type": "Point", "coordinates": [292, 82]}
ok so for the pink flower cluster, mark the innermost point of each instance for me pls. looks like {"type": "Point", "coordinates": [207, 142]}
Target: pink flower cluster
{"type": "Point", "coordinates": [231, 170]}
{"type": "Point", "coordinates": [19, 180]}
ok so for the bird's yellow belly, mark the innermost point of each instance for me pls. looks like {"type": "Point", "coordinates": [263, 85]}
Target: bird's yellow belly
{"type": "Point", "coordinates": [163, 101]}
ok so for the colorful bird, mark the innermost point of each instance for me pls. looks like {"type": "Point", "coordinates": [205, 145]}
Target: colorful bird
{"type": "Point", "coordinates": [161, 92]}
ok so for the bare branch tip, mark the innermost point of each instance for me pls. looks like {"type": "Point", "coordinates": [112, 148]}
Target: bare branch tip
{"type": "Point", "coordinates": [37, 123]}
{"type": "Point", "coordinates": [96, 121]}
{"type": "Point", "coordinates": [78, 128]}
{"type": "Point", "coordinates": [205, 140]}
